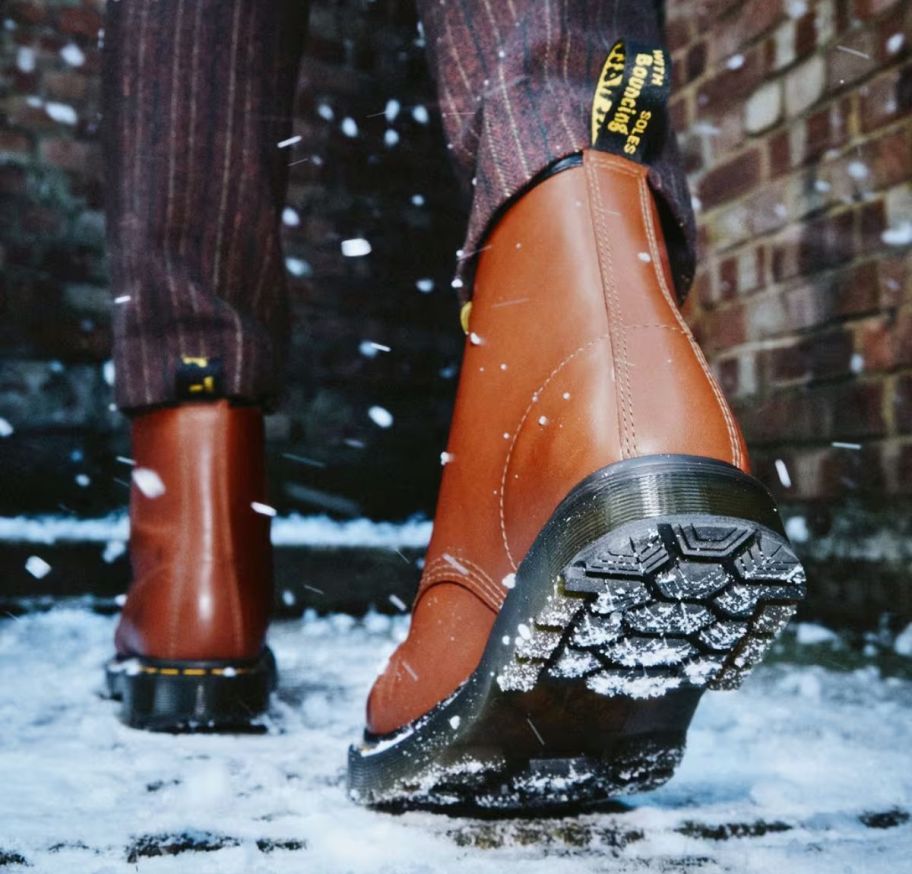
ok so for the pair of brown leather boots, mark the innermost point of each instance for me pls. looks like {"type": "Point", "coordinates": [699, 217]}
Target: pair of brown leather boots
{"type": "Point", "coordinates": [600, 554]}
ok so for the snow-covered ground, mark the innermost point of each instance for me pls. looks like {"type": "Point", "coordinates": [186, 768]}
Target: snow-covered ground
{"type": "Point", "coordinates": [806, 769]}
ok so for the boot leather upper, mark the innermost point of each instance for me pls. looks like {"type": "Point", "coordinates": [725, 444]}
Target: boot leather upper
{"type": "Point", "coordinates": [577, 357]}
{"type": "Point", "coordinates": [201, 555]}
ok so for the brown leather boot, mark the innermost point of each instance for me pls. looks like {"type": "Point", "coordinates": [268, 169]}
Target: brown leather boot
{"type": "Point", "coordinates": [600, 554]}
{"type": "Point", "coordinates": [190, 643]}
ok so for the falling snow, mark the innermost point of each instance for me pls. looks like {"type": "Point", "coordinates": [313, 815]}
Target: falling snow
{"type": "Point", "coordinates": [901, 235]}
{"type": "Point", "coordinates": [298, 267]}
{"type": "Point", "coordinates": [148, 482]}
{"type": "Point", "coordinates": [355, 247]}
{"type": "Point", "coordinates": [380, 416]}
{"type": "Point", "coordinates": [37, 567]}
{"type": "Point", "coordinates": [61, 112]}
{"type": "Point", "coordinates": [72, 55]}
{"type": "Point", "coordinates": [263, 509]}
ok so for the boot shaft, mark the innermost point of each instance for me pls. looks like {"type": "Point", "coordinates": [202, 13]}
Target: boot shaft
{"type": "Point", "coordinates": [577, 357]}
{"type": "Point", "coordinates": [200, 551]}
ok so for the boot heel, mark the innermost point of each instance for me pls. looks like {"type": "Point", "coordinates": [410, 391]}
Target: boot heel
{"type": "Point", "coordinates": [655, 579]}
{"type": "Point", "coordinates": [689, 595]}
{"type": "Point", "coordinates": [159, 695]}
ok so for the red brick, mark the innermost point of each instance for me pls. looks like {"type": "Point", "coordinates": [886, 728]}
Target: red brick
{"type": "Point", "coordinates": [724, 327]}
{"type": "Point", "coordinates": [27, 12]}
{"type": "Point", "coordinates": [806, 34]}
{"type": "Point", "coordinates": [80, 22]}
{"type": "Point", "coordinates": [899, 21]}
{"type": "Point", "coordinates": [66, 86]}
{"type": "Point", "coordinates": [886, 99]}
{"type": "Point", "coordinates": [14, 142]}
{"type": "Point", "coordinates": [695, 64]}
{"type": "Point", "coordinates": [726, 371]}
{"type": "Point", "coordinates": [67, 154]}
{"type": "Point", "coordinates": [728, 278]}
{"type": "Point", "coordinates": [847, 411]}
{"type": "Point", "coordinates": [874, 341]}
{"type": "Point", "coordinates": [749, 21]}
{"type": "Point", "coordinates": [678, 32]}
{"type": "Point", "coordinates": [899, 334]}
{"type": "Point", "coordinates": [825, 129]}
{"type": "Point", "coordinates": [780, 154]}
{"type": "Point", "coordinates": [829, 354]}
{"type": "Point", "coordinates": [856, 410]}
{"type": "Point", "coordinates": [899, 471]}
{"type": "Point", "coordinates": [679, 112]}
{"type": "Point", "coordinates": [785, 363]}
{"type": "Point", "coordinates": [893, 276]}
{"type": "Point", "coordinates": [728, 88]}
{"type": "Point", "coordinates": [856, 290]}
{"type": "Point", "coordinates": [902, 403]}
{"type": "Point", "coordinates": [768, 207]}
{"type": "Point", "coordinates": [826, 242]}
{"type": "Point", "coordinates": [871, 8]}
{"type": "Point", "coordinates": [12, 179]}
{"type": "Point", "coordinates": [872, 222]}
{"type": "Point", "coordinates": [730, 179]}
{"type": "Point", "coordinates": [889, 159]}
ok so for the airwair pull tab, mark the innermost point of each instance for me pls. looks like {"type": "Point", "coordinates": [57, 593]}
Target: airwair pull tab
{"type": "Point", "coordinates": [199, 378]}
{"type": "Point", "coordinates": [464, 315]}
{"type": "Point", "coordinates": [629, 104]}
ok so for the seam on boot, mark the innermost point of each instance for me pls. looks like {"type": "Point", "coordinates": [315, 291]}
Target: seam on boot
{"type": "Point", "coordinates": [616, 325]}
{"type": "Point", "coordinates": [734, 443]}
{"type": "Point", "coordinates": [516, 432]}
{"type": "Point", "coordinates": [442, 571]}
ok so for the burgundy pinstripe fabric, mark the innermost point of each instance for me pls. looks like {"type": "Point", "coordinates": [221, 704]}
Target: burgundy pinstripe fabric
{"type": "Point", "coordinates": [196, 95]}
{"type": "Point", "coordinates": [196, 100]}
{"type": "Point", "coordinates": [515, 80]}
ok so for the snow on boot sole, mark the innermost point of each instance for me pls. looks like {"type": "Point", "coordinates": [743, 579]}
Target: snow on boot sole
{"type": "Point", "coordinates": [655, 579]}
{"type": "Point", "coordinates": [184, 696]}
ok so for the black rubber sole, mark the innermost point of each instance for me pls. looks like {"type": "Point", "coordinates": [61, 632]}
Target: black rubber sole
{"type": "Point", "coordinates": [184, 696]}
{"type": "Point", "coordinates": [655, 579]}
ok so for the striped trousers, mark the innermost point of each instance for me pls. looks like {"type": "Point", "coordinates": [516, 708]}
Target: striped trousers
{"type": "Point", "coordinates": [196, 96]}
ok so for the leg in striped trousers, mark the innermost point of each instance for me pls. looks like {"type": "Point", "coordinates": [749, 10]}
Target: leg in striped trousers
{"type": "Point", "coordinates": [198, 94]}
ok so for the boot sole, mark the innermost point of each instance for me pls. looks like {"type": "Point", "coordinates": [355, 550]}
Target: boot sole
{"type": "Point", "coordinates": [191, 696]}
{"type": "Point", "coordinates": [655, 579]}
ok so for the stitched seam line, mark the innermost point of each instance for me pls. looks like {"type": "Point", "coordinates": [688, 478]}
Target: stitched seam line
{"type": "Point", "coordinates": [716, 390]}
{"type": "Point", "coordinates": [519, 427]}
{"type": "Point", "coordinates": [488, 594]}
{"type": "Point", "coordinates": [615, 317]}
{"type": "Point", "coordinates": [440, 569]}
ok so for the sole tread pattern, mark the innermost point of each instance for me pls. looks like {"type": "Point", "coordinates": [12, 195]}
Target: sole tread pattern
{"type": "Point", "coordinates": [661, 605]}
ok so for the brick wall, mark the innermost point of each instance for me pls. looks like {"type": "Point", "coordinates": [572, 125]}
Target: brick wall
{"type": "Point", "coordinates": [795, 122]}
{"type": "Point", "coordinates": [795, 126]}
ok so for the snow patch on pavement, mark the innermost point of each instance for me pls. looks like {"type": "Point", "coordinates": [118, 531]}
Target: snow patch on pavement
{"type": "Point", "coordinates": [805, 769]}
{"type": "Point", "coordinates": [292, 530]}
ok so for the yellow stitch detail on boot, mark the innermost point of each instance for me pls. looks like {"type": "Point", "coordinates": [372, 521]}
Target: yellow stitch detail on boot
{"type": "Point", "coordinates": [171, 672]}
{"type": "Point", "coordinates": [194, 672]}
